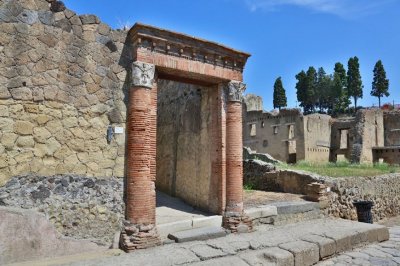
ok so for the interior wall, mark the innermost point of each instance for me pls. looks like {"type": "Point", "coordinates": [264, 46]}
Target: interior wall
{"type": "Point", "coordinates": [183, 142]}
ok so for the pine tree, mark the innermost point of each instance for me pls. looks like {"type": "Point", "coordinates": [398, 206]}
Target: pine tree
{"type": "Point", "coordinates": [354, 83]}
{"type": "Point", "coordinates": [380, 84]}
{"type": "Point", "coordinates": [280, 99]}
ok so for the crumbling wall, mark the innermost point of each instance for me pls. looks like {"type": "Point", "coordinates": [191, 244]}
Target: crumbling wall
{"type": "Point", "coordinates": [368, 133]}
{"type": "Point", "coordinates": [273, 133]}
{"type": "Point", "coordinates": [62, 82]}
{"type": "Point", "coordinates": [252, 102]}
{"type": "Point", "coordinates": [391, 122]}
{"type": "Point", "coordinates": [342, 137]}
{"type": "Point", "coordinates": [317, 135]}
{"type": "Point", "coordinates": [184, 142]}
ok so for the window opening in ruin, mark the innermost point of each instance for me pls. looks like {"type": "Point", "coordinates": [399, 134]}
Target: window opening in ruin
{"type": "Point", "coordinates": [275, 129]}
{"type": "Point", "coordinates": [265, 143]}
{"type": "Point", "coordinates": [291, 131]}
{"type": "Point", "coordinates": [344, 138]}
{"type": "Point", "coordinates": [262, 124]}
{"type": "Point", "coordinates": [253, 132]}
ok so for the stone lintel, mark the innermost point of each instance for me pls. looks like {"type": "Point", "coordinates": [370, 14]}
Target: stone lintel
{"type": "Point", "coordinates": [178, 45]}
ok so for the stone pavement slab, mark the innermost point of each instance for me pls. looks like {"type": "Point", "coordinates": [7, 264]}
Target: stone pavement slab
{"type": "Point", "coordinates": [379, 254]}
{"type": "Point", "coordinates": [294, 244]}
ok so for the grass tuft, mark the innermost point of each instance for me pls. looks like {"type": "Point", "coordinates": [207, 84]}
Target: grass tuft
{"type": "Point", "coordinates": [343, 168]}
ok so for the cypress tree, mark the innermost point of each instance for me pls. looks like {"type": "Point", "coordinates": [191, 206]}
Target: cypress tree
{"type": "Point", "coordinates": [354, 83]}
{"type": "Point", "coordinates": [340, 89]}
{"type": "Point", "coordinates": [301, 88]}
{"type": "Point", "coordinates": [280, 99]}
{"type": "Point", "coordinates": [311, 99]}
{"type": "Point", "coordinates": [380, 84]}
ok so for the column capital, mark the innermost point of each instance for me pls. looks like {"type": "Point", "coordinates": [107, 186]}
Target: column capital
{"type": "Point", "coordinates": [143, 74]}
{"type": "Point", "coordinates": [235, 91]}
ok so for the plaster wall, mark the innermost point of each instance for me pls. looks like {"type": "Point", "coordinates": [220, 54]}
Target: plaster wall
{"type": "Point", "coordinates": [317, 134]}
{"type": "Point", "coordinates": [392, 128]}
{"type": "Point", "coordinates": [183, 142]}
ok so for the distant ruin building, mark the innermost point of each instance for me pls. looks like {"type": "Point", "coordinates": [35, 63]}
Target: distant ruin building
{"type": "Point", "coordinates": [372, 135]}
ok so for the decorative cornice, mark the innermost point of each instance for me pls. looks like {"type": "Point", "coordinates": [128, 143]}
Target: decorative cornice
{"type": "Point", "coordinates": [235, 91]}
{"type": "Point", "coordinates": [143, 74]}
{"type": "Point", "coordinates": [188, 47]}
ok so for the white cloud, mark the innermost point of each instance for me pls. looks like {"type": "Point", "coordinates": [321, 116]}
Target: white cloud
{"type": "Point", "coordinates": [343, 8]}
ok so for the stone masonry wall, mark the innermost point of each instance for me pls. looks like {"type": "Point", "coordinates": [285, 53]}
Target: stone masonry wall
{"type": "Point", "coordinates": [62, 82]}
{"type": "Point", "coordinates": [184, 142]}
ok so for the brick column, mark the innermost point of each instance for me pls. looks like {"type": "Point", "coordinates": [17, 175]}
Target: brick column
{"type": "Point", "coordinates": [140, 228]}
{"type": "Point", "coordinates": [234, 219]}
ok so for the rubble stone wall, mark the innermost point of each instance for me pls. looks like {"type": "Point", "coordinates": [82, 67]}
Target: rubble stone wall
{"type": "Point", "coordinates": [62, 83]}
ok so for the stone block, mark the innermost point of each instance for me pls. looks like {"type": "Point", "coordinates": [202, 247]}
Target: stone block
{"type": "Point", "coordinates": [327, 246]}
{"type": "Point", "coordinates": [89, 19]}
{"type": "Point", "coordinates": [21, 93]}
{"type": "Point", "coordinates": [304, 253]}
{"type": "Point", "coordinates": [198, 234]}
{"type": "Point", "coordinates": [270, 256]}
{"type": "Point", "coordinates": [165, 229]}
{"type": "Point", "coordinates": [23, 128]}
{"type": "Point", "coordinates": [25, 142]}
{"type": "Point", "coordinates": [207, 221]}
{"type": "Point", "coordinates": [295, 207]}
{"type": "Point", "coordinates": [205, 252]}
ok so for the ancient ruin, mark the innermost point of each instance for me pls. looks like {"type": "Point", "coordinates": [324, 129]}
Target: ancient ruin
{"type": "Point", "coordinates": [73, 90]}
{"type": "Point", "coordinates": [368, 137]}
{"type": "Point", "coordinates": [216, 72]}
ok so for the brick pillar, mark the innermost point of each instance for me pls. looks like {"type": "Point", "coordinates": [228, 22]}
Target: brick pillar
{"type": "Point", "coordinates": [140, 228]}
{"type": "Point", "coordinates": [234, 219]}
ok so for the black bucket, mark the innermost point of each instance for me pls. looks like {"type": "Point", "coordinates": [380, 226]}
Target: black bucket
{"type": "Point", "coordinates": [364, 213]}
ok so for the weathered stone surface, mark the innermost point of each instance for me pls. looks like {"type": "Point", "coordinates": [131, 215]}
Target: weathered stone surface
{"type": "Point", "coordinates": [23, 127]}
{"type": "Point", "coordinates": [304, 253]}
{"type": "Point", "coordinates": [43, 239]}
{"type": "Point", "coordinates": [327, 246]}
{"type": "Point", "coordinates": [269, 256]}
{"type": "Point", "coordinates": [89, 19]}
{"type": "Point", "coordinates": [205, 252]}
{"type": "Point", "coordinates": [198, 234]}
{"type": "Point", "coordinates": [57, 6]}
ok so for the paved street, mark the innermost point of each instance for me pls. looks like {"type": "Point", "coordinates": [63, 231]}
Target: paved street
{"type": "Point", "coordinates": [385, 253]}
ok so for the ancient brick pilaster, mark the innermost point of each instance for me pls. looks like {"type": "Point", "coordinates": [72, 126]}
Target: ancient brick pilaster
{"type": "Point", "coordinates": [140, 230]}
{"type": "Point", "coordinates": [233, 217]}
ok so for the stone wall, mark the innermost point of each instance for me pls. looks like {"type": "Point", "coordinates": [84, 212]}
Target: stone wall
{"type": "Point", "coordinates": [62, 82]}
{"type": "Point", "coordinates": [271, 133]}
{"type": "Point", "coordinates": [368, 133]}
{"type": "Point", "coordinates": [317, 135]}
{"type": "Point", "coordinates": [383, 191]}
{"type": "Point", "coordinates": [391, 122]}
{"type": "Point", "coordinates": [183, 142]}
{"type": "Point", "coordinates": [252, 102]}
{"type": "Point", "coordinates": [342, 138]}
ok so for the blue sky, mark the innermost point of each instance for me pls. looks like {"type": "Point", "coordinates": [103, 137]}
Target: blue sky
{"type": "Point", "coordinates": [283, 36]}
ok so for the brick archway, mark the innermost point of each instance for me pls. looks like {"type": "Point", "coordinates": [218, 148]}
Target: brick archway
{"type": "Point", "coordinates": [159, 53]}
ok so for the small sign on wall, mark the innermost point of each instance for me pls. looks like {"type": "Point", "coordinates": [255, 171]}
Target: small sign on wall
{"type": "Point", "coordinates": [118, 130]}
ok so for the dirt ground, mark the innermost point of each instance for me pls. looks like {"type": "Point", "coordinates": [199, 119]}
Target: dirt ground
{"type": "Point", "coordinates": [254, 198]}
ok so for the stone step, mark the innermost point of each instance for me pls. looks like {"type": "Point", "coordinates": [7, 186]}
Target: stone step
{"type": "Point", "coordinates": [296, 211]}
{"type": "Point", "coordinates": [169, 228]}
{"type": "Point", "coordinates": [203, 233]}
{"type": "Point", "coordinates": [293, 207]}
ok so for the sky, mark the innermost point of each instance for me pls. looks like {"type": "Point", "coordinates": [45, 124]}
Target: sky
{"type": "Point", "coordinates": [283, 36]}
